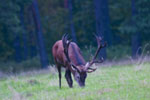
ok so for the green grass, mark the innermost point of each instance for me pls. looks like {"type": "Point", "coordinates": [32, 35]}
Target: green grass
{"type": "Point", "coordinates": [107, 83]}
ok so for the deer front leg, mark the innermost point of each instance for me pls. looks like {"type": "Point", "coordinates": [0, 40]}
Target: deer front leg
{"type": "Point", "coordinates": [68, 78]}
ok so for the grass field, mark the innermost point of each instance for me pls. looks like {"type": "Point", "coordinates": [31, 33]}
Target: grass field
{"type": "Point", "coordinates": [126, 82]}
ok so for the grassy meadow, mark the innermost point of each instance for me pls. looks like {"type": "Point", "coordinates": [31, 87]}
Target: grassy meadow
{"type": "Point", "coordinates": [116, 82]}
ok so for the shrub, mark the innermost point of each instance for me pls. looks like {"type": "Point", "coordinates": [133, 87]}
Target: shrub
{"type": "Point", "coordinates": [13, 67]}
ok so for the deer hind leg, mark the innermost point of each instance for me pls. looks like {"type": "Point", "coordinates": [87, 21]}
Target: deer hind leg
{"type": "Point", "coordinates": [68, 78]}
{"type": "Point", "coordinates": [59, 74]}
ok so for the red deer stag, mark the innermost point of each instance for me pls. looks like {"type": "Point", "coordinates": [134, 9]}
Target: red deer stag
{"type": "Point", "coordinates": [68, 55]}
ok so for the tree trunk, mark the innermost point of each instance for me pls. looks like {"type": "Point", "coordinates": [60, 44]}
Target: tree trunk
{"type": "Point", "coordinates": [71, 21]}
{"type": "Point", "coordinates": [136, 40]}
{"type": "Point", "coordinates": [136, 44]}
{"type": "Point", "coordinates": [25, 50]}
{"type": "Point", "coordinates": [38, 27]}
{"type": "Point", "coordinates": [106, 22]}
{"type": "Point", "coordinates": [17, 47]}
{"type": "Point", "coordinates": [32, 36]}
{"type": "Point", "coordinates": [102, 23]}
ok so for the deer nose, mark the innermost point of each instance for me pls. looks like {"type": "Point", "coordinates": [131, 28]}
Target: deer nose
{"type": "Point", "coordinates": [82, 85]}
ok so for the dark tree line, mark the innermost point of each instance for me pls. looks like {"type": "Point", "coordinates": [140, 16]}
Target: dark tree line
{"type": "Point", "coordinates": [30, 28]}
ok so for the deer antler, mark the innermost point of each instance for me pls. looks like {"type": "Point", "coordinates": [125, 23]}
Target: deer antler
{"type": "Point", "coordinates": [100, 46]}
{"type": "Point", "coordinates": [66, 43]}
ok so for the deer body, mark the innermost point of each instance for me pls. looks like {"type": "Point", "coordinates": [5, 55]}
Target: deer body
{"type": "Point", "coordinates": [73, 51]}
{"type": "Point", "coordinates": [67, 54]}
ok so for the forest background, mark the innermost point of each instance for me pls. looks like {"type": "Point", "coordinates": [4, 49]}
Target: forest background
{"type": "Point", "coordinates": [29, 28]}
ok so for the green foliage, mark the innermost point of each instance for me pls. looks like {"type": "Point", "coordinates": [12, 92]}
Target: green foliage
{"type": "Point", "coordinates": [88, 52]}
{"type": "Point", "coordinates": [13, 67]}
{"type": "Point", "coordinates": [138, 22]}
{"type": "Point", "coordinates": [119, 52]}
{"type": "Point", "coordinates": [142, 18]}
{"type": "Point", "coordinates": [115, 83]}
{"type": "Point", "coordinates": [85, 24]}
{"type": "Point", "coordinates": [10, 26]}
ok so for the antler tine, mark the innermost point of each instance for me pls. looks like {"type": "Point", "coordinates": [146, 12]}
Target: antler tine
{"type": "Point", "coordinates": [99, 39]}
{"type": "Point", "coordinates": [91, 70]}
{"type": "Point", "coordinates": [64, 40]}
